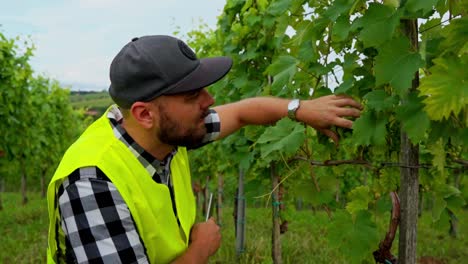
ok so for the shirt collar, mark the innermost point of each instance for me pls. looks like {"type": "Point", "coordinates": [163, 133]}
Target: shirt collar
{"type": "Point", "coordinates": [155, 167]}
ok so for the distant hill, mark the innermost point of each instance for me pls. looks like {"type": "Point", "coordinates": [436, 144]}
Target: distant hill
{"type": "Point", "coordinates": [95, 103]}
{"type": "Point", "coordinates": [88, 87]}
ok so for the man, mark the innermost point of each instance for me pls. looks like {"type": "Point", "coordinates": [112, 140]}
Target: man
{"type": "Point", "coordinates": [122, 192]}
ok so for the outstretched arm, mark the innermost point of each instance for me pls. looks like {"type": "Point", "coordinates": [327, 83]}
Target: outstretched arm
{"type": "Point", "coordinates": [320, 113]}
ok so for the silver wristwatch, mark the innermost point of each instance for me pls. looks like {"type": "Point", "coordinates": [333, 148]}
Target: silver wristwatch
{"type": "Point", "coordinates": [292, 108]}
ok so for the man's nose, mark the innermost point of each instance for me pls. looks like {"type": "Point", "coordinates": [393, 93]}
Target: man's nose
{"type": "Point", "coordinates": [206, 99]}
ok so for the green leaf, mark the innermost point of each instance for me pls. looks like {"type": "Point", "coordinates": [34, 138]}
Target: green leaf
{"type": "Point", "coordinates": [278, 7]}
{"type": "Point", "coordinates": [384, 205]}
{"type": "Point", "coordinates": [246, 6]}
{"type": "Point", "coordinates": [392, 3]}
{"type": "Point", "coordinates": [430, 29]}
{"type": "Point", "coordinates": [448, 191]}
{"type": "Point", "coordinates": [455, 203]}
{"type": "Point", "coordinates": [360, 198]}
{"type": "Point", "coordinates": [349, 65]}
{"type": "Point", "coordinates": [438, 207]}
{"type": "Point", "coordinates": [338, 8]}
{"type": "Point", "coordinates": [344, 87]}
{"type": "Point", "coordinates": [262, 5]}
{"type": "Point", "coordinates": [304, 32]}
{"type": "Point", "coordinates": [307, 190]}
{"type": "Point", "coordinates": [242, 156]}
{"type": "Point", "coordinates": [321, 91]}
{"type": "Point", "coordinates": [396, 64]}
{"type": "Point", "coordinates": [369, 129]}
{"type": "Point", "coordinates": [304, 39]}
{"type": "Point", "coordinates": [282, 70]}
{"type": "Point", "coordinates": [341, 28]}
{"type": "Point", "coordinates": [285, 137]}
{"type": "Point", "coordinates": [379, 100]}
{"type": "Point", "coordinates": [417, 5]}
{"type": "Point", "coordinates": [463, 50]}
{"type": "Point", "coordinates": [378, 25]}
{"type": "Point", "coordinates": [234, 3]}
{"type": "Point", "coordinates": [458, 8]}
{"type": "Point", "coordinates": [414, 120]}
{"type": "Point", "coordinates": [446, 89]}
{"type": "Point", "coordinates": [356, 238]}
{"type": "Point", "coordinates": [438, 151]}
{"type": "Point", "coordinates": [388, 180]}
{"type": "Point", "coordinates": [455, 35]}
{"type": "Point", "coordinates": [431, 50]}
{"type": "Point", "coordinates": [240, 82]}
{"type": "Point", "coordinates": [251, 18]}
{"type": "Point", "coordinates": [281, 24]}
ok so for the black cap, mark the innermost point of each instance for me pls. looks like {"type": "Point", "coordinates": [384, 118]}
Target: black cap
{"type": "Point", "coordinates": [151, 66]}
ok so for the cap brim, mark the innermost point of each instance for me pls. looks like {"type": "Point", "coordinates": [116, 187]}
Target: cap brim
{"type": "Point", "coordinates": [208, 72]}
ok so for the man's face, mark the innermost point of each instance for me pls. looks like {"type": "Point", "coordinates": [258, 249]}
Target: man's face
{"type": "Point", "coordinates": [181, 118]}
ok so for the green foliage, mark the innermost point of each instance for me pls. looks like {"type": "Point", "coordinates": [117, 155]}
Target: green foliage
{"type": "Point", "coordinates": [294, 48]}
{"type": "Point", "coordinates": [359, 199]}
{"type": "Point", "coordinates": [378, 25]}
{"type": "Point", "coordinates": [282, 69]}
{"type": "Point", "coordinates": [370, 129]}
{"type": "Point", "coordinates": [415, 121]}
{"type": "Point", "coordinates": [396, 64]}
{"type": "Point", "coordinates": [356, 237]}
{"type": "Point", "coordinates": [420, 5]}
{"type": "Point", "coordinates": [280, 139]}
{"type": "Point", "coordinates": [37, 122]}
{"type": "Point", "coordinates": [448, 74]}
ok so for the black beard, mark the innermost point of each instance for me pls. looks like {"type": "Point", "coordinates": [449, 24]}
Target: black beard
{"type": "Point", "coordinates": [168, 129]}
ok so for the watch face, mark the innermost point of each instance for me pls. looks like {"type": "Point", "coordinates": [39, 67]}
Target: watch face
{"type": "Point", "coordinates": [292, 108]}
{"type": "Point", "coordinates": [293, 105]}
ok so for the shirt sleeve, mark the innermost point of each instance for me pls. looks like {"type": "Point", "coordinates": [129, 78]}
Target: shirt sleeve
{"type": "Point", "coordinates": [213, 128]}
{"type": "Point", "coordinates": [96, 221]}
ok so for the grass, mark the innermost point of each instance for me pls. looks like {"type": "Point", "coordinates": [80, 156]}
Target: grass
{"type": "Point", "coordinates": [302, 243]}
{"type": "Point", "coordinates": [23, 236]}
{"type": "Point", "coordinates": [23, 229]}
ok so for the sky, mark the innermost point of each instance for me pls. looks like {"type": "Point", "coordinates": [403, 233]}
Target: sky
{"type": "Point", "coordinates": [76, 40]}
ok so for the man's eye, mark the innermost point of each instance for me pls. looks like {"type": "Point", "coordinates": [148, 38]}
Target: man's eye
{"type": "Point", "coordinates": [193, 94]}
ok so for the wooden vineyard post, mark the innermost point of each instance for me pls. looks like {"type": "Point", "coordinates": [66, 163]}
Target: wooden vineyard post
{"type": "Point", "coordinates": [24, 193]}
{"type": "Point", "coordinates": [240, 216]}
{"type": "Point", "coordinates": [43, 183]}
{"type": "Point", "coordinates": [219, 205]}
{"type": "Point", "coordinates": [453, 231]}
{"type": "Point", "coordinates": [275, 238]}
{"type": "Point", "coordinates": [409, 175]}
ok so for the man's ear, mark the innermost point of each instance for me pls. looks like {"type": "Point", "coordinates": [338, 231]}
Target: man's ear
{"type": "Point", "coordinates": [144, 114]}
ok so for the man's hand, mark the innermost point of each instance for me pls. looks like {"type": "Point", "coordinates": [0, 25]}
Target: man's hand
{"type": "Point", "coordinates": [205, 240]}
{"type": "Point", "coordinates": [327, 111]}
{"type": "Point", "coordinates": [206, 236]}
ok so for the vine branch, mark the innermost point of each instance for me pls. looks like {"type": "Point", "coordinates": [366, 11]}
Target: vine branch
{"type": "Point", "coordinates": [328, 163]}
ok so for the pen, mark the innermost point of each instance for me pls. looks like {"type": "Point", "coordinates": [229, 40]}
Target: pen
{"type": "Point", "coordinates": [209, 207]}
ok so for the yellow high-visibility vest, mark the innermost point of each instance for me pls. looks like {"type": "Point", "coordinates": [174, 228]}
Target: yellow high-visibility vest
{"type": "Point", "coordinates": [149, 202]}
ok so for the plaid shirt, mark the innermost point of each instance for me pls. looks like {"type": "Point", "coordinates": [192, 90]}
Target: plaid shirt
{"type": "Point", "coordinates": [97, 223]}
